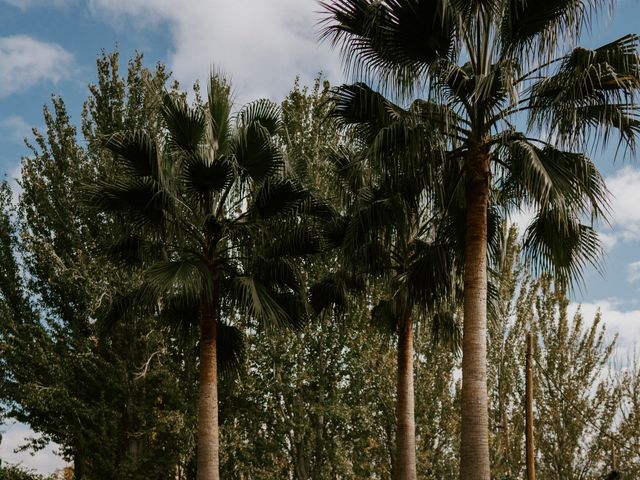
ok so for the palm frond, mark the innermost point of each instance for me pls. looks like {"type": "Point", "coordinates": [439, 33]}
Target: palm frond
{"type": "Point", "coordinates": [551, 177]}
{"type": "Point", "coordinates": [219, 106]}
{"type": "Point", "coordinates": [328, 293]}
{"type": "Point", "coordinates": [231, 349]}
{"type": "Point", "coordinates": [188, 277]}
{"type": "Point", "coordinates": [126, 305]}
{"type": "Point", "coordinates": [349, 169]}
{"type": "Point", "coordinates": [256, 153]}
{"type": "Point", "coordinates": [591, 95]}
{"type": "Point", "coordinates": [132, 250]}
{"type": "Point", "coordinates": [186, 125]}
{"type": "Point", "coordinates": [358, 104]}
{"type": "Point", "coordinates": [259, 301]}
{"type": "Point", "coordinates": [397, 40]}
{"type": "Point", "coordinates": [540, 26]}
{"type": "Point", "coordinates": [431, 275]}
{"type": "Point", "coordinates": [143, 201]}
{"type": "Point", "coordinates": [278, 196]}
{"type": "Point", "coordinates": [278, 273]}
{"type": "Point", "coordinates": [384, 317]}
{"type": "Point", "coordinates": [202, 176]}
{"type": "Point", "coordinates": [264, 112]}
{"type": "Point", "coordinates": [293, 241]}
{"type": "Point", "coordinates": [137, 153]}
{"type": "Point", "coordinates": [557, 243]}
{"type": "Point", "coordinates": [446, 329]}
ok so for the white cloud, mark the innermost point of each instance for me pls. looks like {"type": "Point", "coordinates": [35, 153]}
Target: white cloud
{"type": "Point", "coordinates": [634, 272]}
{"type": "Point", "coordinates": [624, 323]}
{"type": "Point", "coordinates": [15, 128]}
{"type": "Point", "coordinates": [26, 61]}
{"type": "Point", "coordinates": [262, 45]}
{"type": "Point", "coordinates": [14, 436]}
{"type": "Point", "coordinates": [625, 206]}
{"type": "Point", "coordinates": [522, 218]}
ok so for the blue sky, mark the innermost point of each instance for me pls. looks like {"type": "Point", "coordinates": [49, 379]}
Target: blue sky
{"type": "Point", "coordinates": [49, 47]}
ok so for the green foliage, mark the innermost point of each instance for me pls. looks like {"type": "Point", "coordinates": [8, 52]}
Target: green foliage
{"type": "Point", "coordinates": [115, 397]}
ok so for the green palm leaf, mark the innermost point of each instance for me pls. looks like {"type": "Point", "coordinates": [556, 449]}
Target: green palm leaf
{"type": "Point", "coordinates": [259, 301]}
{"type": "Point", "coordinates": [264, 112]}
{"type": "Point", "coordinates": [202, 176]}
{"type": "Point", "coordinates": [278, 196]}
{"type": "Point", "coordinates": [256, 153]}
{"type": "Point", "coordinates": [401, 37]}
{"type": "Point", "coordinates": [186, 125]}
{"type": "Point", "coordinates": [557, 242]}
{"type": "Point", "coordinates": [137, 153]}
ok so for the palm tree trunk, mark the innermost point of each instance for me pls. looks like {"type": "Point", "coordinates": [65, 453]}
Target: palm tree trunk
{"type": "Point", "coordinates": [208, 467]}
{"type": "Point", "coordinates": [474, 449]}
{"type": "Point", "coordinates": [405, 417]}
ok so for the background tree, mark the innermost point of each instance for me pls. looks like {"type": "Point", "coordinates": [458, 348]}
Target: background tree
{"type": "Point", "coordinates": [576, 399]}
{"type": "Point", "coordinates": [66, 371]}
{"type": "Point", "coordinates": [515, 61]}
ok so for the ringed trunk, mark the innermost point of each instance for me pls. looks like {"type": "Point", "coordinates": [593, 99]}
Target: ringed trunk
{"type": "Point", "coordinates": [208, 467]}
{"type": "Point", "coordinates": [474, 449]}
{"type": "Point", "coordinates": [405, 415]}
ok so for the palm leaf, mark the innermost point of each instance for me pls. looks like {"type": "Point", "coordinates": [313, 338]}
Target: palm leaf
{"type": "Point", "coordinates": [143, 201]}
{"type": "Point", "coordinates": [188, 277]}
{"type": "Point", "coordinates": [431, 276]}
{"type": "Point", "coordinates": [132, 250]}
{"type": "Point", "coordinates": [277, 273]}
{"type": "Point", "coordinates": [396, 39]}
{"type": "Point", "coordinates": [186, 125]}
{"type": "Point", "coordinates": [219, 106]}
{"type": "Point", "coordinates": [328, 293]}
{"type": "Point", "coordinates": [202, 176]}
{"type": "Point", "coordinates": [264, 112]}
{"type": "Point", "coordinates": [557, 243]}
{"type": "Point", "coordinates": [259, 301]}
{"type": "Point", "coordinates": [293, 241]}
{"type": "Point", "coordinates": [540, 25]}
{"type": "Point", "coordinates": [278, 196]}
{"type": "Point", "coordinates": [137, 153]}
{"type": "Point", "coordinates": [551, 177]}
{"type": "Point", "coordinates": [591, 94]}
{"type": "Point", "coordinates": [231, 349]}
{"type": "Point", "coordinates": [384, 317]}
{"type": "Point", "coordinates": [256, 153]}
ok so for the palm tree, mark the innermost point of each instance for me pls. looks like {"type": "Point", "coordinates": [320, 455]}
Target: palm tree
{"type": "Point", "coordinates": [389, 232]}
{"type": "Point", "coordinates": [520, 112]}
{"type": "Point", "coordinates": [216, 225]}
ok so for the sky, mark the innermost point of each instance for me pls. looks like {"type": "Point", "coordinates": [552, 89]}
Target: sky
{"type": "Point", "coordinates": [49, 47]}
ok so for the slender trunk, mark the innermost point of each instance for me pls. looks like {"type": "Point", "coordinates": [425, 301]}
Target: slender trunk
{"type": "Point", "coordinates": [531, 469]}
{"type": "Point", "coordinates": [208, 466]}
{"type": "Point", "coordinates": [474, 449]}
{"type": "Point", "coordinates": [78, 465]}
{"type": "Point", "coordinates": [405, 416]}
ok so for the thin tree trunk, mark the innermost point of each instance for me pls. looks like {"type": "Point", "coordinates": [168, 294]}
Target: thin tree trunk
{"type": "Point", "coordinates": [208, 464]}
{"type": "Point", "coordinates": [474, 450]}
{"type": "Point", "coordinates": [405, 415]}
{"type": "Point", "coordinates": [78, 465]}
{"type": "Point", "coordinates": [531, 468]}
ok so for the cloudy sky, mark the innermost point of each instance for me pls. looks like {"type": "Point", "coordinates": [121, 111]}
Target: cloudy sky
{"type": "Point", "coordinates": [49, 47]}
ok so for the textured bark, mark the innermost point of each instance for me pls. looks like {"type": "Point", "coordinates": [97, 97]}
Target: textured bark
{"type": "Point", "coordinates": [208, 463]}
{"type": "Point", "coordinates": [474, 450]}
{"type": "Point", "coordinates": [405, 410]}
